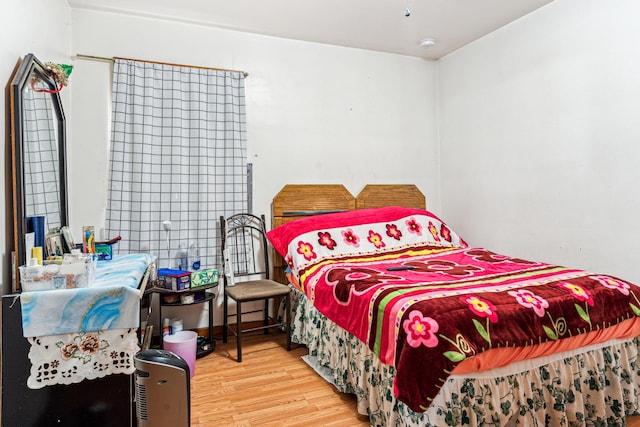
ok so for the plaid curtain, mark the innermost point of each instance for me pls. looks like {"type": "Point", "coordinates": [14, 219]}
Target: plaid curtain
{"type": "Point", "coordinates": [178, 153]}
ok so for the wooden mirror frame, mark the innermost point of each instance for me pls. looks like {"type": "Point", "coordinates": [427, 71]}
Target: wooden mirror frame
{"type": "Point", "coordinates": [32, 68]}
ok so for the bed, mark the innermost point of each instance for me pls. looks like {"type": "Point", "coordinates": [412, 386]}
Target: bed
{"type": "Point", "coordinates": [426, 330]}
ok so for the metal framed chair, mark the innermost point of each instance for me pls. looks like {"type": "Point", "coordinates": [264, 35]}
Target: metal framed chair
{"type": "Point", "coordinates": [246, 277]}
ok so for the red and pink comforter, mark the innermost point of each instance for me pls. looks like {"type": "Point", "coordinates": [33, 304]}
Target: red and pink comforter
{"type": "Point", "coordinates": [450, 303]}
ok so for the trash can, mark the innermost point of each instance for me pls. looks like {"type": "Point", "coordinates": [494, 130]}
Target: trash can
{"type": "Point", "coordinates": [162, 388]}
{"type": "Point", "coordinates": [185, 345]}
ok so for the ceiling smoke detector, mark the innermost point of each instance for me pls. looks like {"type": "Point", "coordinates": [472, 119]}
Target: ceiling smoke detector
{"type": "Point", "coordinates": [427, 43]}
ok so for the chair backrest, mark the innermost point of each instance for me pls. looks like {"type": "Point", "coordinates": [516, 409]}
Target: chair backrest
{"type": "Point", "coordinates": [244, 246]}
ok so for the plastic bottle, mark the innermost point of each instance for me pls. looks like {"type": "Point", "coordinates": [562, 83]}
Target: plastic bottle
{"type": "Point", "coordinates": [176, 326]}
{"type": "Point", "coordinates": [182, 257]}
{"type": "Point", "coordinates": [153, 275]}
{"type": "Point", "coordinates": [194, 257]}
{"type": "Point", "coordinates": [166, 328]}
{"type": "Point", "coordinates": [143, 327]}
{"type": "Point", "coordinates": [37, 254]}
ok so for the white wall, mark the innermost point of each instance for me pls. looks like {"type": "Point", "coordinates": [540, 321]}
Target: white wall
{"type": "Point", "coordinates": [540, 137]}
{"type": "Point", "coordinates": [315, 113]}
{"type": "Point", "coordinates": [537, 121]}
{"type": "Point", "coordinates": [40, 27]}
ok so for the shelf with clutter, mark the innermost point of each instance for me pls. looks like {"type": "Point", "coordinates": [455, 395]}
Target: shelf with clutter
{"type": "Point", "coordinates": [177, 288]}
{"type": "Point", "coordinates": [184, 282]}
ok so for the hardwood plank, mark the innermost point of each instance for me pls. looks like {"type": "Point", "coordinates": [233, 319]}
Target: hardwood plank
{"type": "Point", "coordinates": [271, 387]}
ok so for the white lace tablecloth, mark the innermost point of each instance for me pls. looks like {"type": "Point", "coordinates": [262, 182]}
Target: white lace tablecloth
{"type": "Point", "coordinates": [71, 358]}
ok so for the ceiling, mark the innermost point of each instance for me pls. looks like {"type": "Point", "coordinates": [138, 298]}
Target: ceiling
{"type": "Point", "coordinates": [379, 25]}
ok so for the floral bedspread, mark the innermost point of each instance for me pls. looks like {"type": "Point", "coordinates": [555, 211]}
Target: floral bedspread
{"type": "Point", "coordinates": [447, 304]}
{"type": "Point", "coordinates": [597, 386]}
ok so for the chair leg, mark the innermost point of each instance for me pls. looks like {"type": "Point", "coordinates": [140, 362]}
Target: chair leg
{"type": "Point", "coordinates": [265, 320]}
{"type": "Point", "coordinates": [287, 314]}
{"type": "Point", "coordinates": [226, 320]}
{"type": "Point", "coordinates": [239, 330]}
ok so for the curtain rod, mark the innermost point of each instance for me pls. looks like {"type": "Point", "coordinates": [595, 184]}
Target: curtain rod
{"type": "Point", "coordinates": [103, 58]}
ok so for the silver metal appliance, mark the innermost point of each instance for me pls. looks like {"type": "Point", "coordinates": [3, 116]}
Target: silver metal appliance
{"type": "Point", "coordinates": [163, 396]}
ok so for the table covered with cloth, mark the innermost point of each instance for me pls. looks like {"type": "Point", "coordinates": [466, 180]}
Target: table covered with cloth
{"type": "Point", "coordinates": [86, 333]}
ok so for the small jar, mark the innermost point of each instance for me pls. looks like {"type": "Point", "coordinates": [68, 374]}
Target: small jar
{"type": "Point", "coordinates": [176, 326]}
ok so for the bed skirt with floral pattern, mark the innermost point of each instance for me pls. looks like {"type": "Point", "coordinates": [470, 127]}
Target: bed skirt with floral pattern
{"type": "Point", "coordinates": [598, 386]}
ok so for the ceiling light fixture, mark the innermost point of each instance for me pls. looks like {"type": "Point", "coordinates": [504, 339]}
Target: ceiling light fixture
{"type": "Point", "coordinates": [407, 12]}
{"type": "Point", "coordinates": [427, 43]}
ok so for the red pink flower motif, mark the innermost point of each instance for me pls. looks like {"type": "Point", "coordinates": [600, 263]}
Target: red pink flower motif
{"type": "Point", "coordinates": [445, 232]}
{"type": "Point", "coordinates": [442, 266]}
{"type": "Point", "coordinates": [289, 260]}
{"type": "Point", "coordinates": [420, 330]}
{"type": "Point", "coordinates": [488, 256]}
{"type": "Point", "coordinates": [393, 231]}
{"type": "Point", "coordinates": [528, 299]}
{"type": "Point", "coordinates": [376, 239]}
{"type": "Point", "coordinates": [306, 249]}
{"type": "Point", "coordinates": [481, 307]}
{"type": "Point", "coordinates": [434, 231]}
{"type": "Point", "coordinates": [414, 227]}
{"type": "Point", "coordinates": [611, 283]}
{"type": "Point", "coordinates": [350, 238]}
{"type": "Point", "coordinates": [347, 281]}
{"type": "Point", "coordinates": [324, 238]}
{"type": "Point", "coordinates": [578, 292]}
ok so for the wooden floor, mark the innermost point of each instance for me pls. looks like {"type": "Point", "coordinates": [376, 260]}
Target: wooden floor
{"type": "Point", "coordinates": [271, 387]}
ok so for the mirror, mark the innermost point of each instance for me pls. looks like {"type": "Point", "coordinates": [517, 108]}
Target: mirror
{"type": "Point", "coordinates": [38, 135]}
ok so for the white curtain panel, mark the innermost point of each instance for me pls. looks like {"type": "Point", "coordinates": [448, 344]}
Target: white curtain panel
{"type": "Point", "coordinates": [178, 153]}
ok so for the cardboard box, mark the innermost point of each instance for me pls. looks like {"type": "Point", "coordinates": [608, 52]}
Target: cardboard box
{"type": "Point", "coordinates": [204, 277]}
{"type": "Point", "coordinates": [175, 280]}
{"type": "Point", "coordinates": [104, 251]}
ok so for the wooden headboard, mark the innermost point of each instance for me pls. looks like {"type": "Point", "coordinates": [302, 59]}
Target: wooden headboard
{"type": "Point", "coordinates": [299, 200]}
{"type": "Point", "coordinates": [296, 201]}
{"type": "Point", "coordinates": [381, 195]}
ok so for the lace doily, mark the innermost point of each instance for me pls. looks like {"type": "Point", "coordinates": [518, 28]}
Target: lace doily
{"type": "Point", "coordinates": [71, 358]}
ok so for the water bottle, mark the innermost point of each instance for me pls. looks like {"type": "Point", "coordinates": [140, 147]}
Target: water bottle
{"type": "Point", "coordinates": [182, 258]}
{"type": "Point", "coordinates": [153, 277]}
{"type": "Point", "coordinates": [194, 257]}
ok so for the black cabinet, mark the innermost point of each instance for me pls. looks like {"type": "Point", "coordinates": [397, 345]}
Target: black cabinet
{"type": "Point", "coordinates": [101, 402]}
